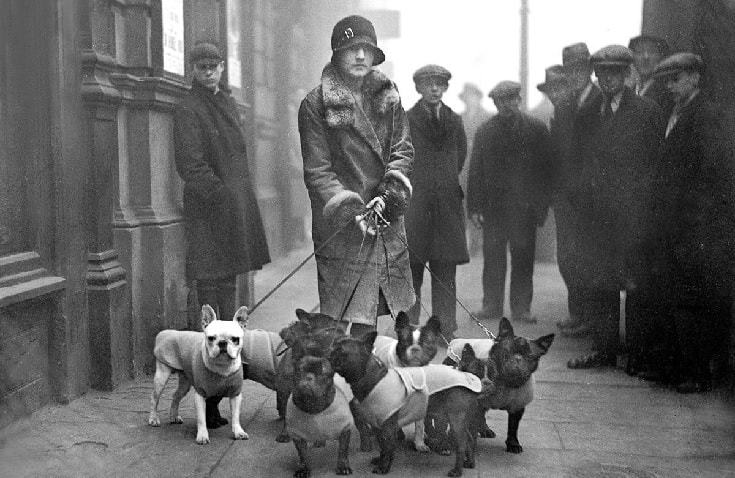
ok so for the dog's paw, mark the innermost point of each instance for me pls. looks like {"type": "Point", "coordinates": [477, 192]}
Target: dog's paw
{"type": "Point", "coordinates": [512, 446]}
{"type": "Point", "coordinates": [455, 472]}
{"type": "Point", "coordinates": [177, 420]}
{"type": "Point", "coordinates": [422, 447]}
{"type": "Point", "coordinates": [239, 434]}
{"type": "Point", "coordinates": [203, 438]}
{"type": "Point", "coordinates": [468, 463]}
{"type": "Point", "coordinates": [487, 433]}
{"type": "Point", "coordinates": [283, 438]}
{"type": "Point", "coordinates": [380, 466]}
{"type": "Point", "coordinates": [303, 472]}
{"type": "Point", "coordinates": [154, 421]}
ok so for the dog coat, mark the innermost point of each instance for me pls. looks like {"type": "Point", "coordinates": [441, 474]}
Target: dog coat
{"type": "Point", "coordinates": [262, 351]}
{"type": "Point", "coordinates": [406, 391]}
{"type": "Point", "coordinates": [385, 349]}
{"type": "Point", "coordinates": [325, 425]}
{"type": "Point", "coordinates": [184, 352]}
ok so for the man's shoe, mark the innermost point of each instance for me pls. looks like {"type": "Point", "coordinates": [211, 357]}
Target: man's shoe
{"type": "Point", "coordinates": [593, 360]}
{"type": "Point", "coordinates": [691, 386]}
{"type": "Point", "coordinates": [527, 318]}
{"type": "Point", "coordinates": [581, 330]}
{"type": "Point", "coordinates": [569, 323]}
{"type": "Point", "coordinates": [486, 314]}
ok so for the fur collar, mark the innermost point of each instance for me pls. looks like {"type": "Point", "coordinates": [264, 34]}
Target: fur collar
{"type": "Point", "coordinates": [339, 103]}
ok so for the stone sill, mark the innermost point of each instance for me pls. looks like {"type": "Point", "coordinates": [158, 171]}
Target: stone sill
{"type": "Point", "coordinates": [30, 290]}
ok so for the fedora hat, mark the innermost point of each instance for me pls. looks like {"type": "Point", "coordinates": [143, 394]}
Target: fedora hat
{"type": "Point", "coordinates": [556, 77]}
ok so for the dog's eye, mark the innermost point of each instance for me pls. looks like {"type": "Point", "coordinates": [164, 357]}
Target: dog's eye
{"type": "Point", "coordinates": [236, 341]}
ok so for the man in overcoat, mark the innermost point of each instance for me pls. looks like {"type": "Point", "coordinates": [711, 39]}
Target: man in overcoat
{"type": "Point", "coordinates": [435, 217]}
{"type": "Point", "coordinates": [618, 146]}
{"type": "Point", "coordinates": [648, 51]}
{"type": "Point", "coordinates": [224, 230]}
{"type": "Point", "coordinates": [357, 154]}
{"type": "Point", "coordinates": [508, 197]}
{"type": "Point", "coordinates": [697, 189]}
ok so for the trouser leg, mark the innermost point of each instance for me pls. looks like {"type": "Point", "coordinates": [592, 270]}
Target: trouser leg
{"type": "Point", "coordinates": [444, 294]}
{"type": "Point", "coordinates": [522, 253]}
{"type": "Point", "coordinates": [417, 274]}
{"type": "Point", "coordinates": [603, 308]}
{"type": "Point", "coordinates": [494, 248]}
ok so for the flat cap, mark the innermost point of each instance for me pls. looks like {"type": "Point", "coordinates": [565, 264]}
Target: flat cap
{"type": "Point", "coordinates": [575, 54]}
{"type": "Point", "coordinates": [203, 51]}
{"type": "Point", "coordinates": [612, 56]}
{"type": "Point", "coordinates": [356, 30]}
{"type": "Point", "coordinates": [505, 89]}
{"type": "Point", "coordinates": [662, 46]}
{"type": "Point", "coordinates": [430, 71]}
{"type": "Point", "coordinates": [556, 77]}
{"type": "Point", "coordinates": [679, 62]}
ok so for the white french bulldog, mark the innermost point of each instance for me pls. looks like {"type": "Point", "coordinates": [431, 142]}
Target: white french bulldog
{"type": "Point", "coordinates": [210, 361]}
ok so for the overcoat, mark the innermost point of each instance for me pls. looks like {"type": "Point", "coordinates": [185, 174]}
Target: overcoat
{"type": "Point", "coordinates": [511, 169]}
{"type": "Point", "coordinates": [224, 229]}
{"type": "Point", "coordinates": [435, 221]}
{"type": "Point", "coordinates": [697, 191]}
{"type": "Point", "coordinates": [352, 155]}
{"type": "Point", "coordinates": [618, 159]}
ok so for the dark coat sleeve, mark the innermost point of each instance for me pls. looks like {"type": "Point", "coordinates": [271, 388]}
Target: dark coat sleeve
{"type": "Point", "coordinates": [475, 183]}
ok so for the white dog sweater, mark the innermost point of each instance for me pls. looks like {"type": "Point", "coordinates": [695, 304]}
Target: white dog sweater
{"type": "Point", "coordinates": [325, 425]}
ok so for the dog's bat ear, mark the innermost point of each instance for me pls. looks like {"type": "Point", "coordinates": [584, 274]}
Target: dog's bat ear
{"type": "Point", "coordinates": [301, 314]}
{"type": "Point", "coordinates": [544, 343]}
{"type": "Point", "coordinates": [207, 315]}
{"type": "Point", "coordinates": [369, 340]}
{"type": "Point", "coordinates": [402, 321]}
{"type": "Point", "coordinates": [242, 317]}
{"type": "Point", "coordinates": [505, 328]}
{"type": "Point", "coordinates": [468, 353]}
{"type": "Point", "coordinates": [434, 325]}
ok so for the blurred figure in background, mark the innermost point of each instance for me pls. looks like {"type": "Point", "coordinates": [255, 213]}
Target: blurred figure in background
{"type": "Point", "coordinates": [508, 197]}
{"type": "Point", "coordinates": [697, 225]}
{"type": "Point", "coordinates": [473, 116]}
{"type": "Point", "coordinates": [435, 223]}
{"type": "Point", "coordinates": [648, 51]}
{"type": "Point", "coordinates": [583, 95]}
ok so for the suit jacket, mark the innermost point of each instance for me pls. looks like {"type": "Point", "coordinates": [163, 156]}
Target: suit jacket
{"type": "Point", "coordinates": [618, 159]}
{"type": "Point", "coordinates": [697, 207]}
{"type": "Point", "coordinates": [510, 168]}
{"type": "Point", "coordinates": [435, 219]}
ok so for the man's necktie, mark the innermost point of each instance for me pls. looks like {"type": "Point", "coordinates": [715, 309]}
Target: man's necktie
{"type": "Point", "coordinates": [607, 111]}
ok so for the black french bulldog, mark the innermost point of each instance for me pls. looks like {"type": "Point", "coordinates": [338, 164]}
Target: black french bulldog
{"type": "Point", "coordinates": [506, 375]}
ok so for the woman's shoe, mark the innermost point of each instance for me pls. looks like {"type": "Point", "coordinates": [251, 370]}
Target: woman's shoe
{"type": "Point", "coordinates": [593, 360]}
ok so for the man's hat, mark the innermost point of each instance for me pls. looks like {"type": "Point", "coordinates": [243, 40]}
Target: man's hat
{"type": "Point", "coordinates": [469, 90]}
{"type": "Point", "coordinates": [661, 45]}
{"type": "Point", "coordinates": [679, 62]}
{"type": "Point", "coordinates": [612, 56]}
{"type": "Point", "coordinates": [505, 89]}
{"type": "Point", "coordinates": [202, 51]}
{"type": "Point", "coordinates": [356, 30]}
{"type": "Point", "coordinates": [430, 71]}
{"type": "Point", "coordinates": [556, 77]}
{"type": "Point", "coordinates": [576, 54]}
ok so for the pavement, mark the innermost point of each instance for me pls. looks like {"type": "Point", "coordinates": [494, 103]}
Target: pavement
{"type": "Point", "coordinates": [582, 423]}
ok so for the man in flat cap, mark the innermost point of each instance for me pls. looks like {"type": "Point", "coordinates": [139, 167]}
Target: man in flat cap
{"type": "Point", "coordinates": [435, 224]}
{"type": "Point", "coordinates": [473, 116]}
{"type": "Point", "coordinates": [508, 197]}
{"type": "Point", "coordinates": [224, 231]}
{"type": "Point", "coordinates": [584, 94]}
{"type": "Point", "coordinates": [618, 145]}
{"type": "Point", "coordinates": [648, 51]}
{"type": "Point", "coordinates": [697, 225]}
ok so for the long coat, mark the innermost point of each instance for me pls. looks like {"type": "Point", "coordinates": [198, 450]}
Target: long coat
{"type": "Point", "coordinates": [697, 191]}
{"type": "Point", "coordinates": [352, 155]}
{"type": "Point", "coordinates": [510, 169]}
{"type": "Point", "coordinates": [435, 218]}
{"type": "Point", "coordinates": [224, 230]}
{"type": "Point", "coordinates": [618, 159]}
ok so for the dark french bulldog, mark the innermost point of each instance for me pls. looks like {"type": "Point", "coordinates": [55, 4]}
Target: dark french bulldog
{"type": "Point", "coordinates": [389, 398]}
{"type": "Point", "coordinates": [416, 346]}
{"type": "Point", "coordinates": [505, 367]}
{"type": "Point", "coordinates": [319, 410]}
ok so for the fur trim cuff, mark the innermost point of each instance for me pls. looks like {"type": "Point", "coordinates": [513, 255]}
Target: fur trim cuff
{"type": "Point", "coordinates": [343, 206]}
{"type": "Point", "coordinates": [396, 190]}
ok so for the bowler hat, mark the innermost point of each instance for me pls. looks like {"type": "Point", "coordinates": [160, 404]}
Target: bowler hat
{"type": "Point", "coordinates": [431, 71]}
{"type": "Point", "coordinates": [469, 90]}
{"type": "Point", "coordinates": [612, 56]}
{"type": "Point", "coordinates": [661, 45]}
{"type": "Point", "coordinates": [505, 89]}
{"type": "Point", "coordinates": [575, 55]}
{"type": "Point", "coordinates": [679, 62]}
{"type": "Point", "coordinates": [202, 51]}
{"type": "Point", "coordinates": [556, 77]}
{"type": "Point", "coordinates": [356, 30]}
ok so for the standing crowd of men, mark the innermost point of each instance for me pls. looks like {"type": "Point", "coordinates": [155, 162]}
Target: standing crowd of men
{"type": "Point", "coordinates": [636, 166]}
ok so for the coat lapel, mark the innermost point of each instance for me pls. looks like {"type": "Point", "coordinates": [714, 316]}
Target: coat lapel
{"type": "Point", "coordinates": [380, 95]}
